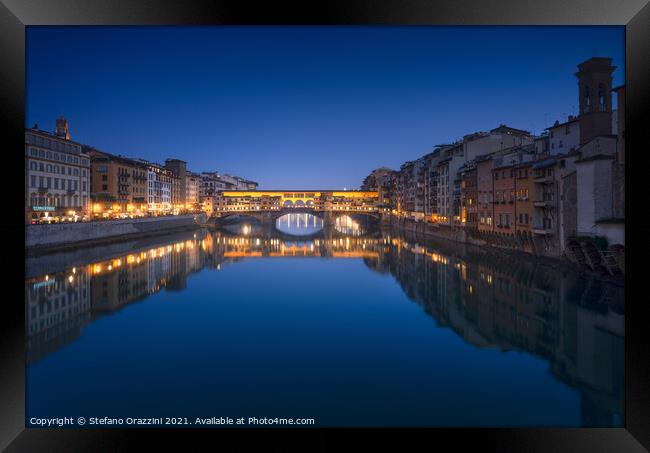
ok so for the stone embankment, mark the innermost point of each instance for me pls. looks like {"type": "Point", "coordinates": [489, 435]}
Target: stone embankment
{"type": "Point", "coordinates": [608, 263]}
{"type": "Point", "coordinates": [61, 236]}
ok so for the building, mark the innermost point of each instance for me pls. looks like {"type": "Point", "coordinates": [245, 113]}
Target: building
{"type": "Point", "coordinates": [498, 139]}
{"type": "Point", "coordinates": [469, 195]}
{"type": "Point", "coordinates": [564, 137]}
{"type": "Point", "coordinates": [405, 190]}
{"type": "Point", "coordinates": [542, 145]}
{"type": "Point", "coordinates": [505, 175]}
{"type": "Point", "coordinates": [382, 180]}
{"type": "Point", "coordinates": [485, 193]}
{"type": "Point", "coordinates": [553, 195]}
{"type": "Point", "coordinates": [524, 208]}
{"type": "Point", "coordinates": [212, 182]}
{"type": "Point", "coordinates": [57, 175]}
{"type": "Point", "coordinates": [179, 183]}
{"type": "Point", "coordinates": [160, 181]}
{"type": "Point", "coordinates": [192, 190]}
{"type": "Point", "coordinates": [620, 123]}
{"type": "Point", "coordinates": [118, 185]}
{"type": "Point", "coordinates": [431, 185]}
{"type": "Point", "coordinates": [595, 100]}
{"type": "Point", "coordinates": [600, 170]}
{"type": "Point", "coordinates": [504, 196]}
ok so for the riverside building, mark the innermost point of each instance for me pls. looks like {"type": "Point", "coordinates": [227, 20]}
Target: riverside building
{"type": "Point", "coordinates": [57, 175]}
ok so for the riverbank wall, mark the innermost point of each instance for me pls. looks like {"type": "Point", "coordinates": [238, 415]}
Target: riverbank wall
{"type": "Point", "coordinates": [525, 246]}
{"type": "Point", "coordinates": [62, 236]}
{"type": "Point", "coordinates": [60, 260]}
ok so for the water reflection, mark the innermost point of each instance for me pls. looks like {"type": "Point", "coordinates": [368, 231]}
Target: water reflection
{"type": "Point", "coordinates": [348, 226]}
{"type": "Point", "coordinates": [492, 301]}
{"type": "Point", "coordinates": [300, 224]}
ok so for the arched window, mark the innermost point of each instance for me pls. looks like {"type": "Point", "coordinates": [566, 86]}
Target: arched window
{"type": "Point", "coordinates": [587, 99]}
{"type": "Point", "coordinates": [601, 97]}
{"type": "Point", "coordinates": [32, 165]}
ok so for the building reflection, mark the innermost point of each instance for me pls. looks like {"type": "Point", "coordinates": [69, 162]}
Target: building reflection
{"type": "Point", "coordinates": [576, 323]}
{"type": "Point", "coordinates": [494, 301]}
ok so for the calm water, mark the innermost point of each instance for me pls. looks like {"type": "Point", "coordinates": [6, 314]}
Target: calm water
{"type": "Point", "coordinates": [349, 326]}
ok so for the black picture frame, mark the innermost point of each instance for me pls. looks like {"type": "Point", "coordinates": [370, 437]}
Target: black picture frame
{"type": "Point", "coordinates": [15, 15]}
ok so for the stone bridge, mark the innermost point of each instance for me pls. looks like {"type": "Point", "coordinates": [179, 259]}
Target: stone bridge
{"type": "Point", "coordinates": [270, 216]}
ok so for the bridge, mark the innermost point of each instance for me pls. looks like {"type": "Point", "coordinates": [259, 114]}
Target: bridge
{"type": "Point", "coordinates": [268, 205]}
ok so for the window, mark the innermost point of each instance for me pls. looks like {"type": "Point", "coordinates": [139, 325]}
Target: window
{"type": "Point", "coordinates": [76, 172]}
{"type": "Point", "coordinates": [69, 171]}
{"type": "Point", "coordinates": [562, 164]}
{"type": "Point", "coordinates": [104, 177]}
{"type": "Point", "coordinates": [49, 168]}
{"type": "Point", "coordinates": [56, 183]}
{"type": "Point", "coordinates": [567, 131]}
{"type": "Point", "coordinates": [601, 97]}
{"type": "Point", "coordinates": [102, 169]}
{"type": "Point", "coordinates": [41, 167]}
{"type": "Point", "coordinates": [83, 173]}
{"type": "Point", "coordinates": [32, 165]}
{"type": "Point", "coordinates": [33, 152]}
{"type": "Point", "coordinates": [104, 186]}
{"type": "Point", "coordinates": [41, 181]}
{"type": "Point", "coordinates": [560, 146]}
{"type": "Point", "coordinates": [83, 186]}
{"type": "Point", "coordinates": [33, 181]}
{"type": "Point", "coordinates": [48, 154]}
{"type": "Point", "coordinates": [587, 100]}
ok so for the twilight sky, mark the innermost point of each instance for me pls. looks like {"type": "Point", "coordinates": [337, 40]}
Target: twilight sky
{"type": "Point", "coordinates": [303, 107]}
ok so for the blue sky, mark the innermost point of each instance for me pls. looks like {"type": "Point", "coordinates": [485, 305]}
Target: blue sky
{"type": "Point", "coordinates": [303, 107]}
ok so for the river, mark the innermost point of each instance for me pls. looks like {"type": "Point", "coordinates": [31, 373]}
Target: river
{"type": "Point", "coordinates": [349, 324]}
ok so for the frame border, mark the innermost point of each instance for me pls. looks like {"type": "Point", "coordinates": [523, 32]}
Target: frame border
{"type": "Point", "coordinates": [15, 15]}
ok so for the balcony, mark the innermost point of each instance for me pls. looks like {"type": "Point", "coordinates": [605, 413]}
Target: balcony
{"type": "Point", "coordinates": [542, 230]}
{"type": "Point", "coordinates": [544, 203]}
{"type": "Point", "coordinates": [543, 180]}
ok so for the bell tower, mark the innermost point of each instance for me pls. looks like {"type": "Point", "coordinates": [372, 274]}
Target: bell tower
{"type": "Point", "coordinates": [595, 97]}
{"type": "Point", "coordinates": [62, 128]}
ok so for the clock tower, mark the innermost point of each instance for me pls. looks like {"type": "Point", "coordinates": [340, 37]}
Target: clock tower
{"type": "Point", "coordinates": [595, 97]}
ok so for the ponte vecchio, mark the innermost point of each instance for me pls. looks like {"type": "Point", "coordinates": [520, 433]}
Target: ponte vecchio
{"type": "Point", "coordinates": [289, 200]}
